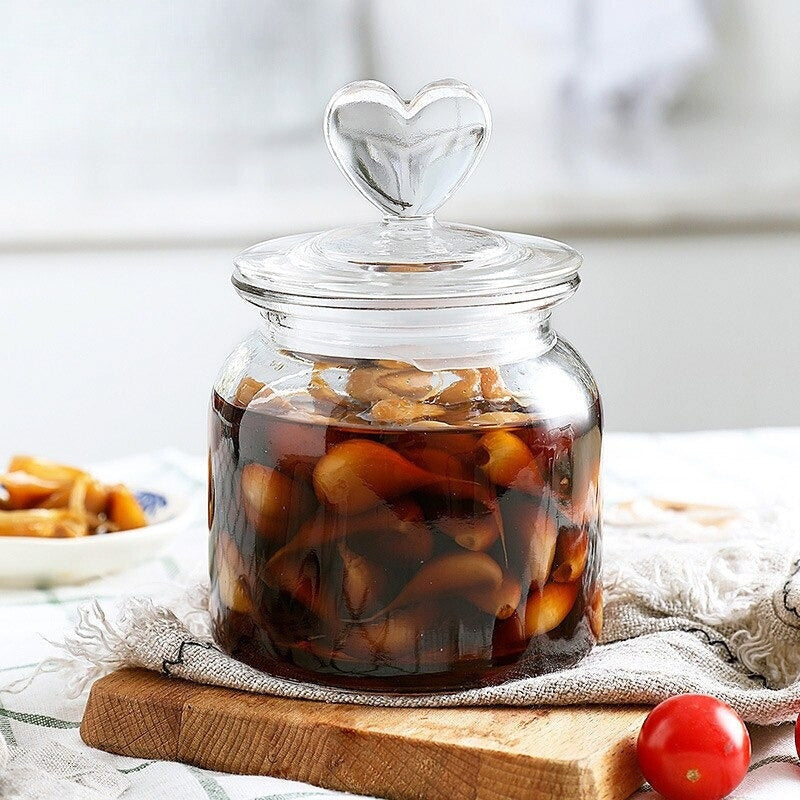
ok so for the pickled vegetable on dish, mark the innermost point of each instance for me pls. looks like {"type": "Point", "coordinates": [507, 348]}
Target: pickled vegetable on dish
{"type": "Point", "coordinates": [123, 509]}
{"type": "Point", "coordinates": [42, 523]}
{"type": "Point", "coordinates": [23, 490]}
{"type": "Point", "coordinates": [46, 499]}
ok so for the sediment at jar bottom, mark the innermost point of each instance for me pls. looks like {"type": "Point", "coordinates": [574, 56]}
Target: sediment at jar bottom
{"type": "Point", "coordinates": [395, 560]}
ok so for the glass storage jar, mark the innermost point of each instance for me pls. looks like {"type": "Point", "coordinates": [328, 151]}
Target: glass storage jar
{"type": "Point", "coordinates": [404, 458]}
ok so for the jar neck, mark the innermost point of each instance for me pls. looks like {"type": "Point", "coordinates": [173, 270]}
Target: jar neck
{"type": "Point", "coordinates": [452, 338]}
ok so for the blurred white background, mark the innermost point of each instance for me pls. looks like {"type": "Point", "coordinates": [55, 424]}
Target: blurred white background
{"type": "Point", "coordinates": [143, 144]}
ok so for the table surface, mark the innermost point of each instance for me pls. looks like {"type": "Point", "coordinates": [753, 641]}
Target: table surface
{"type": "Point", "coordinates": [739, 468]}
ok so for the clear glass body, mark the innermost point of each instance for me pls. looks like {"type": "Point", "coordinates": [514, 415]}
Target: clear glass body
{"type": "Point", "coordinates": [405, 524]}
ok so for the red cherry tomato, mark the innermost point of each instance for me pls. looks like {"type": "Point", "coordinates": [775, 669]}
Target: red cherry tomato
{"type": "Point", "coordinates": [693, 747]}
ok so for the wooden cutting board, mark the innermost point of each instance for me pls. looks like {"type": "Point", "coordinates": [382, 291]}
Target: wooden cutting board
{"type": "Point", "coordinates": [398, 753]}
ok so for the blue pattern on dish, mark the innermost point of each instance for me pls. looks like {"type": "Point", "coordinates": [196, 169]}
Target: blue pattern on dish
{"type": "Point", "coordinates": [151, 502]}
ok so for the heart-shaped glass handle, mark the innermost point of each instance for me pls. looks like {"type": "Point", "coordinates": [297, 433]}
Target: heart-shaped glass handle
{"type": "Point", "coordinates": [407, 157]}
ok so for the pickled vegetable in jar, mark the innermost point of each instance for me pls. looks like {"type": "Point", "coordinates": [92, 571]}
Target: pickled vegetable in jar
{"type": "Point", "coordinates": [405, 457]}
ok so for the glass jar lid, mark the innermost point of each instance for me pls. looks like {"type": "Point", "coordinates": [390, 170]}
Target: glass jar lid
{"type": "Point", "coordinates": [407, 158]}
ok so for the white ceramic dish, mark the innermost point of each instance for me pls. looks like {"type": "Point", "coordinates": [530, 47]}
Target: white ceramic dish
{"type": "Point", "coordinates": [29, 562]}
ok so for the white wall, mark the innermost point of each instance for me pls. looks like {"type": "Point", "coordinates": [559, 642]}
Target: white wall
{"type": "Point", "coordinates": [183, 124]}
{"type": "Point", "coordinates": [196, 122]}
{"type": "Point", "coordinates": [691, 332]}
{"type": "Point", "coordinates": [108, 353]}
{"type": "Point", "coordinates": [754, 64]}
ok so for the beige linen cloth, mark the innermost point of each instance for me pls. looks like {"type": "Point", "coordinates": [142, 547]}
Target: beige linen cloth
{"type": "Point", "coordinates": [698, 599]}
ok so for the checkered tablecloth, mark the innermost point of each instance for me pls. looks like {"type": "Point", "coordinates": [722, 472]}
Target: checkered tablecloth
{"type": "Point", "coordinates": [739, 468]}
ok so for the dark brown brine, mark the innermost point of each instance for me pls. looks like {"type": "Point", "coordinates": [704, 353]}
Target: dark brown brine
{"type": "Point", "coordinates": [391, 551]}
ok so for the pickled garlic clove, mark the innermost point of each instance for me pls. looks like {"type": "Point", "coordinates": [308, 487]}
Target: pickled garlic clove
{"type": "Point", "coordinates": [466, 511]}
{"type": "Point", "coordinates": [450, 574]}
{"type": "Point", "coordinates": [493, 388]}
{"type": "Point", "coordinates": [281, 570]}
{"type": "Point", "coordinates": [508, 637]}
{"type": "Point", "coordinates": [267, 401]}
{"type": "Point", "coordinates": [501, 418]}
{"type": "Point", "coordinates": [548, 607]}
{"type": "Point", "coordinates": [572, 553]}
{"type": "Point", "coordinates": [585, 476]}
{"type": "Point", "coordinates": [532, 533]}
{"type": "Point", "coordinates": [351, 419]}
{"type": "Point", "coordinates": [359, 474]}
{"type": "Point", "coordinates": [595, 610]}
{"type": "Point", "coordinates": [247, 389]}
{"type": "Point", "coordinates": [303, 406]}
{"type": "Point", "coordinates": [501, 601]}
{"type": "Point", "coordinates": [406, 546]}
{"type": "Point", "coordinates": [317, 531]}
{"type": "Point", "coordinates": [391, 531]}
{"type": "Point", "coordinates": [398, 530]}
{"type": "Point", "coordinates": [476, 533]}
{"type": "Point", "coordinates": [465, 389]}
{"type": "Point", "coordinates": [412, 384]}
{"type": "Point", "coordinates": [271, 500]}
{"type": "Point", "coordinates": [404, 520]}
{"type": "Point", "coordinates": [396, 638]}
{"type": "Point", "coordinates": [507, 461]}
{"type": "Point", "coordinates": [400, 410]}
{"type": "Point", "coordinates": [23, 490]}
{"type": "Point", "coordinates": [300, 406]}
{"type": "Point", "coordinates": [298, 573]}
{"type": "Point", "coordinates": [457, 489]}
{"type": "Point", "coordinates": [363, 583]}
{"type": "Point", "coordinates": [230, 576]}
{"type": "Point", "coordinates": [123, 509]}
{"type": "Point", "coordinates": [320, 389]}
{"type": "Point", "coordinates": [576, 474]}
{"type": "Point", "coordinates": [363, 387]}
{"type": "Point", "coordinates": [437, 462]}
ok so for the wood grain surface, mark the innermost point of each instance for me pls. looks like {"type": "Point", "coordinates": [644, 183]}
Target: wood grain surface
{"type": "Point", "coordinates": [492, 753]}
